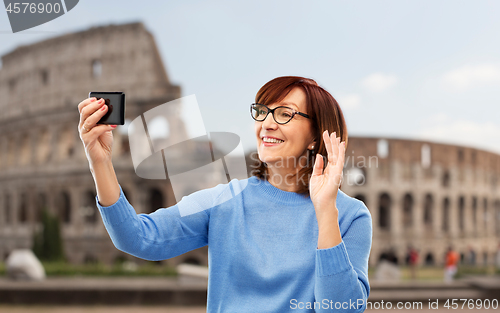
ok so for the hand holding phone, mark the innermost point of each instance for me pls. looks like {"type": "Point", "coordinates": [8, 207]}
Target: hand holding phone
{"type": "Point", "coordinates": [116, 107]}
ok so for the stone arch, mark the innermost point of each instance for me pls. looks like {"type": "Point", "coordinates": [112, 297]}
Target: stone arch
{"type": "Point", "coordinates": [384, 217]}
{"type": "Point", "coordinates": [89, 207]}
{"type": "Point", "coordinates": [497, 217]}
{"type": "Point", "coordinates": [407, 210]}
{"type": "Point", "coordinates": [66, 141]}
{"type": "Point", "coordinates": [445, 226]}
{"type": "Point", "coordinates": [23, 208]}
{"type": "Point", "coordinates": [474, 214]}
{"type": "Point", "coordinates": [156, 200]}
{"type": "Point", "coordinates": [11, 152]}
{"type": "Point", "coordinates": [64, 207]}
{"type": "Point", "coordinates": [461, 213]}
{"type": "Point", "coordinates": [43, 146]}
{"type": "Point", "coordinates": [429, 259]}
{"type": "Point", "coordinates": [428, 209]}
{"type": "Point", "coordinates": [8, 209]}
{"type": "Point", "coordinates": [445, 181]}
{"type": "Point", "coordinates": [485, 213]}
{"type": "Point", "coordinates": [25, 153]}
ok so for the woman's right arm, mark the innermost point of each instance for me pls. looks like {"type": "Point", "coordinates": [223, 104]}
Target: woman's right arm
{"type": "Point", "coordinates": [98, 140]}
{"type": "Point", "coordinates": [156, 236]}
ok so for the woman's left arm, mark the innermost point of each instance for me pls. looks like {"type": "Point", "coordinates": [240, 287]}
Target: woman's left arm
{"type": "Point", "coordinates": [341, 259]}
{"type": "Point", "coordinates": [342, 270]}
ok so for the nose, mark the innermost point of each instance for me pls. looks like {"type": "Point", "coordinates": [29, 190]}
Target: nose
{"type": "Point", "coordinates": [269, 122]}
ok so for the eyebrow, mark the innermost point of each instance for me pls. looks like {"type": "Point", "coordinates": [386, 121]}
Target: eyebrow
{"type": "Point", "coordinates": [290, 104]}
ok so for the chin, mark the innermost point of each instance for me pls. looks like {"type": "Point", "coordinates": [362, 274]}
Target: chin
{"type": "Point", "coordinates": [265, 157]}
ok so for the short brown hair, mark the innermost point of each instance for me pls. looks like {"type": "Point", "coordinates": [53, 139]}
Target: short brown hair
{"type": "Point", "coordinates": [323, 109]}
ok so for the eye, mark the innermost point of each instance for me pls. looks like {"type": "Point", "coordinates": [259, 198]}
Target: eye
{"type": "Point", "coordinates": [286, 114]}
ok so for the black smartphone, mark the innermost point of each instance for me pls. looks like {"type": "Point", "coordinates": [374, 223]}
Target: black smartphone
{"type": "Point", "coordinates": [116, 107]}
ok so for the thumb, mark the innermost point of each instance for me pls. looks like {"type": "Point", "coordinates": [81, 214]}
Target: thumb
{"type": "Point", "coordinates": [318, 165]}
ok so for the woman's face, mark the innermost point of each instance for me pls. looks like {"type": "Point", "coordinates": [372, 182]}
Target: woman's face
{"type": "Point", "coordinates": [294, 138]}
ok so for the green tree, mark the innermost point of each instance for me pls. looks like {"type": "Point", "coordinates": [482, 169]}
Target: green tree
{"type": "Point", "coordinates": [47, 243]}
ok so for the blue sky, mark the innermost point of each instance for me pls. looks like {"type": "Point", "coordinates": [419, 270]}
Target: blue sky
{"type": "Point", "coordinates": [406, 69]}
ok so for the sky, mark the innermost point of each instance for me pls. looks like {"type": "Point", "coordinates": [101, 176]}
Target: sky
{"type": "Point", "coordinates": [423, 70]}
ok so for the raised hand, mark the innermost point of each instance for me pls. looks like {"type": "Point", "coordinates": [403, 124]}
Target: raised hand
{"type": "Point", "coordinates": [323, 188]}
{"type": "Point", "coordinates": [97, 138]}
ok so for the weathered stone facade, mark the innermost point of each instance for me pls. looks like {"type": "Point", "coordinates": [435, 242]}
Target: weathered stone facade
{"type": "Point", "coordinates": [425, 194]}
{"type": "Point", "coordinates": [42, 161]}
{"type": "Point", "coordinates": [428, 195]}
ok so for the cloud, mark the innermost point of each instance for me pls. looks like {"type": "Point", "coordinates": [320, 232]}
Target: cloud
{"type": "Point", "coordinates": [379, 82]}
{"type": "Point", "coordinates": [470, 76]}
{"type": "Point", "coordinates": [349, 101]}
{"type": "Point", "coordinates": [442, 128]}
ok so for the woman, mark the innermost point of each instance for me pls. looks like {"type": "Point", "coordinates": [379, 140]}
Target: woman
{"type": "Point", "coordinates": [290, 240]}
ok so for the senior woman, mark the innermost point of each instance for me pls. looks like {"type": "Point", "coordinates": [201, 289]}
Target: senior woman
{"type": "Point", "coordinates": [290, 240]}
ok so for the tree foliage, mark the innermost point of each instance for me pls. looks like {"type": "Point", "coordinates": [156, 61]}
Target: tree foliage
{"type": "Point", "coordinates": [47, 243]}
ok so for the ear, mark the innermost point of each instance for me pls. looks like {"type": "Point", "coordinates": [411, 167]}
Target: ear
{"type": "Point", "coordinates": [312, 146]}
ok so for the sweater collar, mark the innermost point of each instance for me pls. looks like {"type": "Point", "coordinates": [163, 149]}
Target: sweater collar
{"type": "Point", "coordinates": [275, 194]}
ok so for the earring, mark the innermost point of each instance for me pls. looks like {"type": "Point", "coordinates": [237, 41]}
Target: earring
{"type": "Point", "coordinates": [312, 147]}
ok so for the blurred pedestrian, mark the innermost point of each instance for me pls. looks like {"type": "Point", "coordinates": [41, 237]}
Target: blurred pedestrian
{"type": "Point", "coordinates": [412, 262]}
{"type": "Point", "coordinates": [472, 256]}
{"type": "Point", "coordinates": [451, 263]}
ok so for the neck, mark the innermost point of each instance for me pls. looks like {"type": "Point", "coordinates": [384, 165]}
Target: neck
{"type": "Point", "coordinates": [284, 178]}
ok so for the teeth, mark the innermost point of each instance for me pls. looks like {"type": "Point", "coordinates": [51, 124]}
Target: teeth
{"type": "Point", "coordinates": [271, 140]}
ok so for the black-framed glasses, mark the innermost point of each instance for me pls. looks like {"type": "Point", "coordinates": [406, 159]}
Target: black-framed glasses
{"type": "Point", "coordinates": [281, 114]}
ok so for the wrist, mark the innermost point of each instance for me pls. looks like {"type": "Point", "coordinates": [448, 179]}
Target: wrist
{"type": "Point", "coordinates": [100, 166]}
{"type": "Point", "coordinates": [327, 216]}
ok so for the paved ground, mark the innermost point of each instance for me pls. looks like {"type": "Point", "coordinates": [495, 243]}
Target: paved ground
{"type": "Point", "coordinates": [395, 292]}
{"type": "Point", "coordinates": [168, 309]}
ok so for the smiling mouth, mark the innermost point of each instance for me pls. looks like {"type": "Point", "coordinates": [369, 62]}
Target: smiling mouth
{"type": "Point", "coordinates": [271, 140]}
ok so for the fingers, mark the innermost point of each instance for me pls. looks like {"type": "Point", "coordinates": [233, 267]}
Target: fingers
{"type": "Point", "coordinates": [334, 148]}
{"type": "Point", "coordinates": [328, 145]}
{"type": "Point", "coordinates": [92, 120]}
{"type": "Point", "coordinates": [84, 103]}
{"type": "Point", "coordinates": [96, 131]}
{"type": "Point", "coordinates": [318, 165]}
{"type": "Point", "coordinates": [91, 114]}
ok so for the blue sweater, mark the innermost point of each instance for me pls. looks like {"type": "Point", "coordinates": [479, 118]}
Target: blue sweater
{"type": "Point", "coordinates": [263, 254]}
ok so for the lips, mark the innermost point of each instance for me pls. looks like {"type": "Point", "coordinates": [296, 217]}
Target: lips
{"type": "Point", "coordinates": [269, 140]}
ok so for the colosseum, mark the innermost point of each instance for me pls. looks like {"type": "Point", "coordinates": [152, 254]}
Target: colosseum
{"type": "Point", "coordinates": [428, 195]}
{"type": "Point", "coordinates": [425, 194]}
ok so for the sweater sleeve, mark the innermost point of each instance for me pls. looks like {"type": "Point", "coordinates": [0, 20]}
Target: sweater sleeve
{"type": "Point", "coordinates": [164, 233]}
{"type": "Point", "coordinates": [342, 271]}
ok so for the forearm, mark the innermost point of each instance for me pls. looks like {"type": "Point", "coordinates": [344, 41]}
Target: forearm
{"type": "Point", "coordinates": [342, 270]}
{"type": "Point", "coordinates": [108, 190]}
{"type": "Point", "coordinates": [156, 236]}
{"type": "Point", "coordinates": [328, 227]}
{"type": "Point", "coordinates": [339, 282]}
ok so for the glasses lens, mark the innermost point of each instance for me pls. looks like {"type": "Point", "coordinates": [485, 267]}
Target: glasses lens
{"type": "Point", "coordinates": [283, 115]}
{"type": "Point", "coordinates": [259, 112]}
